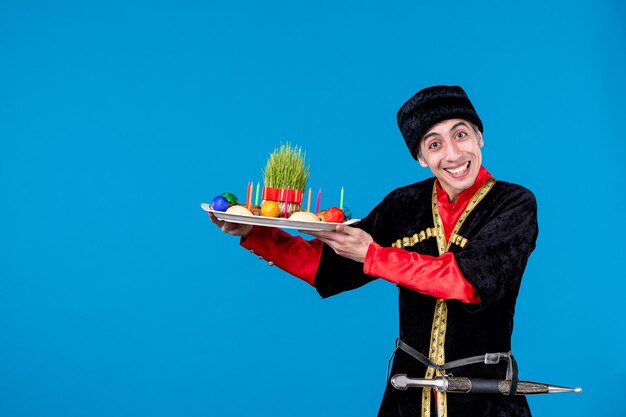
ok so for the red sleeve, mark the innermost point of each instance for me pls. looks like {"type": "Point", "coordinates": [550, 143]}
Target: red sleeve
{"type": "Point", "coordinates": [438, 276]}
{"type": "Point", "coordinates": [292, 254]}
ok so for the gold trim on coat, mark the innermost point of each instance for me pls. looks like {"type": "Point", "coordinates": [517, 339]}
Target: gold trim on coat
{"type": "Point", "coordinates": [436, 351]}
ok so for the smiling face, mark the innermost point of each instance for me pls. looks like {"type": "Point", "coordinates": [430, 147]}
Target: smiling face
{"type": "Point", "coordinates": [451, 149]}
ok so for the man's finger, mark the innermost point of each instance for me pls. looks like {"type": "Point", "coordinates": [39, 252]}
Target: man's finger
{"type": "Point", "coordinates": [320, 234]}
{"type": "Point", "coordinates": [347, 230]}
{"type": "Point", "coordinates": [219, 223]}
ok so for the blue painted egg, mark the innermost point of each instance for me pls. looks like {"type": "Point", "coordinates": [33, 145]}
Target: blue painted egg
{"type": "Point", "coordinates": [347, 212]}
{"type": "Point", "coordinates": [220, 203]}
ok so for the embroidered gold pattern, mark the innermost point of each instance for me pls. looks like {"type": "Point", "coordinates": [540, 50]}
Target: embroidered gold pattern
{"type": "Point", "coordinates": [425, 234]}
{"type": "Point", "coordinates": [458, 240]}
{"type": "Point", "coordinates": [436, 354]}
{"type": "Point", "coordinates": [415, 239]}
{"type": "Point", "coordinates": [438, 331]}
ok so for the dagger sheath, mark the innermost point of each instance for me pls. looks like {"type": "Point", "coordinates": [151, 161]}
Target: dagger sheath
{"type": "Point", "coordinates": [461, 385]}
{"type": "Point", "coordinates": [493, 386]}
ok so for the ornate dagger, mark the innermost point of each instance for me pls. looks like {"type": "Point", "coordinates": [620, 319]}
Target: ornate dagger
{"type": "Point", "coordinates": [460, 385]}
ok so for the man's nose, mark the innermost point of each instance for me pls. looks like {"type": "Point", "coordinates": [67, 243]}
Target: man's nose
{"type": "Point", "coordinates": [452, 151]}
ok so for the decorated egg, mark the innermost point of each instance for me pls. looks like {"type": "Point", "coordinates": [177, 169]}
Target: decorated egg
{"type": "Point", "coordinates": [231, 198]}
{"type": "Point", "coordinates": [347, 213]}
{"type": "Point", "coordinates": [220, 203]}
{"type": "Point", "coordinates": [334, 215]}
{"type": "Point", "coordinates": [270, 209]}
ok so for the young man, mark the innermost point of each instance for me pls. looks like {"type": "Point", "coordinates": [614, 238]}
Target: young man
{"type": "Point", "coordinates": [456, 245]}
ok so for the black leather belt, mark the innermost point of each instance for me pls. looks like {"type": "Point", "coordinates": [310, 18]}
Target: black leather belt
{"type": "Point", "coordinates": [487, 359]}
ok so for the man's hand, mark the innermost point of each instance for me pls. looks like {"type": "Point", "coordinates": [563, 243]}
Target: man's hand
{"type": "Point", "coordinates": [234, 229]}
{"type": "Point", "coordinates": [349, 242]}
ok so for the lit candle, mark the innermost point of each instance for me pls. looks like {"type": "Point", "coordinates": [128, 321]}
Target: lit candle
{"type": "Point", "coordinates": [249, 196]}
{"type": "Point", "coordinates": [319, 198]}
{"type": "Point", "coordinates": [308, 204]}
{"type": "Point", "coordinates": [256, 197]}
{"type": "Point", "coordinates": [341, 199]}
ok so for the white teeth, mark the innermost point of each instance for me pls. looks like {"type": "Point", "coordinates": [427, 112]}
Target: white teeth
{"type": "Point", "coordinates": [458, 170]}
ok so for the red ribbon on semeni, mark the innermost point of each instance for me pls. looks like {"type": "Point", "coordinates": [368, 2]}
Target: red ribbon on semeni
{"type": "Point", "coordinates": [282, 194]}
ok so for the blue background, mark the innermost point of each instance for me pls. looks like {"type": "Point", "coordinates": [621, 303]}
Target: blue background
{"type": "Point", "coordinates": [117, 119]}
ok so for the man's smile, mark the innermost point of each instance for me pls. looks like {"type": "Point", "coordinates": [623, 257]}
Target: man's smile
{"type": "Point", "coordinates": [459, 171]}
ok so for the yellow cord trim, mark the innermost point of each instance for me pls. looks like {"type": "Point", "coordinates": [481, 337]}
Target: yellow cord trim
{"type": "Point", "coordinates": [438, 331]}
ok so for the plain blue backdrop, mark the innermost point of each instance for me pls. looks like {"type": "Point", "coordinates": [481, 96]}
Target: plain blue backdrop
{"type": "Point", "coordinates": [118, 297]}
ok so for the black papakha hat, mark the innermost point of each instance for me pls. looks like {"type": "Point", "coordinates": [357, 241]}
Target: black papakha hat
{"type": "Point", "coordinates": [431, 106]}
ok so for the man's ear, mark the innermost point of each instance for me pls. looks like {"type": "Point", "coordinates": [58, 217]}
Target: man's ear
{"type": "Point", "coordinates": [422, 161]}
{"type": "Point", "coordinates": [481, 141]}
{"type": "Point", "coordinates": [420, 155]}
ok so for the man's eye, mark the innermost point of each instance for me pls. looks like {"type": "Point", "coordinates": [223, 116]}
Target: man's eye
{"type": "Point", "coordinates": [461, 135]}
{"type": "Point", "coordinates": [433, 145]}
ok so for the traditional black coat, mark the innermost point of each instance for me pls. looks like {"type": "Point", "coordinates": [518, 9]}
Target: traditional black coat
{"type": "Point", "coordinates": [491, 244]}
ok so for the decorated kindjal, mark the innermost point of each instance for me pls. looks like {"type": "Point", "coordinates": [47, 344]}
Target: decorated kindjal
{"type": "Point", "coordinates": [285, 177]}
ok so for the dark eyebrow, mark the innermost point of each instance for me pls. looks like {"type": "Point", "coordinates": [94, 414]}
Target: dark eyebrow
{"type": "Point", "coordinates": [427, 135]}
{"type": "Point", "coordinates": [463, 123]}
